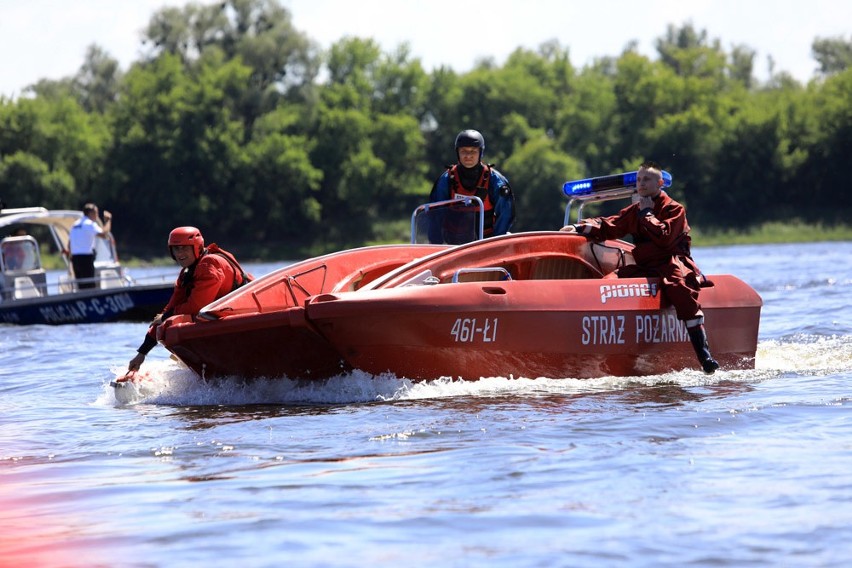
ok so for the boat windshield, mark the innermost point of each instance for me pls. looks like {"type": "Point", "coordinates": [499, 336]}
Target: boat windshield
{"type": "Point", "coordinates": [19, 253]}
{"type": "Point", "coordinates": [453, 222]}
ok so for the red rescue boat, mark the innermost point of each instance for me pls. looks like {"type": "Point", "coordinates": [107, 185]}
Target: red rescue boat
{"type": "Point", "coordinates": [538, 304]}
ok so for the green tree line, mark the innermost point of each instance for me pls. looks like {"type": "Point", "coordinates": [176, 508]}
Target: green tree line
{"type": "Point", "coordinates": [238, 123]}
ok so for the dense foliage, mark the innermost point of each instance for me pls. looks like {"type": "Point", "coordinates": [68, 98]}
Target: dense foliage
{"type": "Point", "coordinates": [236, 122]}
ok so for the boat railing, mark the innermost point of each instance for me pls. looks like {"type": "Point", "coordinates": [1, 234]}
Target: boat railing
{"type": "Point", "coordinates": [595, 197]}
{"type": "Point", "coordinates": [428, 213]}
{"type": "Point", "coordinates": [106, 279]}
{"type": "Point", "coordinates": [298, 291]}
{"type": "Point", "coordinates": [22, 285]}
{"type": "Point", "coordinates": [112, 278]}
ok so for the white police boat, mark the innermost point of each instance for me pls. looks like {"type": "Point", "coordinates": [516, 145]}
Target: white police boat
{"type": "Point", "coordinates": [30, 294]}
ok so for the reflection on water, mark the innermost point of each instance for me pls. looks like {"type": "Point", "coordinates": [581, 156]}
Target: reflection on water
{"type": "Point", "coordinates": [671, 395]}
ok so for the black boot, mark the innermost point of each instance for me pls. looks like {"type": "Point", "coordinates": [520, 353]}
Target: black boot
{"type": "Point", "coordinates": [698, 337]}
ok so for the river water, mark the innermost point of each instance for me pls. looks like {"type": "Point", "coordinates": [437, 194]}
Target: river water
{"type": "Point", "coordinates": [744, 468]}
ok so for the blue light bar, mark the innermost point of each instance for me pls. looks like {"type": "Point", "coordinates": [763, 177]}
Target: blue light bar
{"type": "Point", "coordinates": [604, 183]}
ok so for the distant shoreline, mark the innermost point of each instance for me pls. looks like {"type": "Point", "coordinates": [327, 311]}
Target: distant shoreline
{"type": "Point", "coordinates": [775, 232]}
{"type": "Point", "coordinates": [769, 233]}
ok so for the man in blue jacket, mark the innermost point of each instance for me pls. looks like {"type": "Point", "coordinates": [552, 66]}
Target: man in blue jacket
{"type": "Point", "coordinates": [470, 176]}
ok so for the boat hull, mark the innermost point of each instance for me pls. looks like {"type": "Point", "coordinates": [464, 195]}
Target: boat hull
{"type": "Point", "coordinates": [130, 303]}
{"type": "Point", "coordinates": [533, 329]}
{"type": "Point", "coordinates": [274, 344]}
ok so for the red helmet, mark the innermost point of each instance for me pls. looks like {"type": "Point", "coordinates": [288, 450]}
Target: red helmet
{"type": "Point", "coordinates": [183, 236]}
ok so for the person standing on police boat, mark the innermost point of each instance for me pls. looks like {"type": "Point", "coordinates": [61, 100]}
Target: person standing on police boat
{"type": "Point", "coordinates": [81, 244]}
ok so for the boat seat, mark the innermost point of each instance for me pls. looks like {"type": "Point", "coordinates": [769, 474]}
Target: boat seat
{"type": "Point", "coordinates": [109, 278]}
{"type": "Point", "coordinates": [26, 288]}
{"type": "Point", "coordinates": [560, 268]}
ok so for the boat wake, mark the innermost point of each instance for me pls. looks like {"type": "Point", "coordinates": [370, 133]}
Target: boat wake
{"type": "Point", "coordinates": [169, 383]}
{"type": "Point", "coordinates": [805, 354]}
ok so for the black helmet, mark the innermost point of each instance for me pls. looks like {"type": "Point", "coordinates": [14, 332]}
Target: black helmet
{"type": "Point", "coordinates": [470, 139]}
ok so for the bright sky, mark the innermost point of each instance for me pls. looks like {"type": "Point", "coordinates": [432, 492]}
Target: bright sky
{"type": "Point", "coordinates": [48, 38]}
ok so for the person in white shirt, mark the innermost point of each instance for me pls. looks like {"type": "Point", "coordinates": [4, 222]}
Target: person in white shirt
{"type": "Point", "coordinates": [82, 243]}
